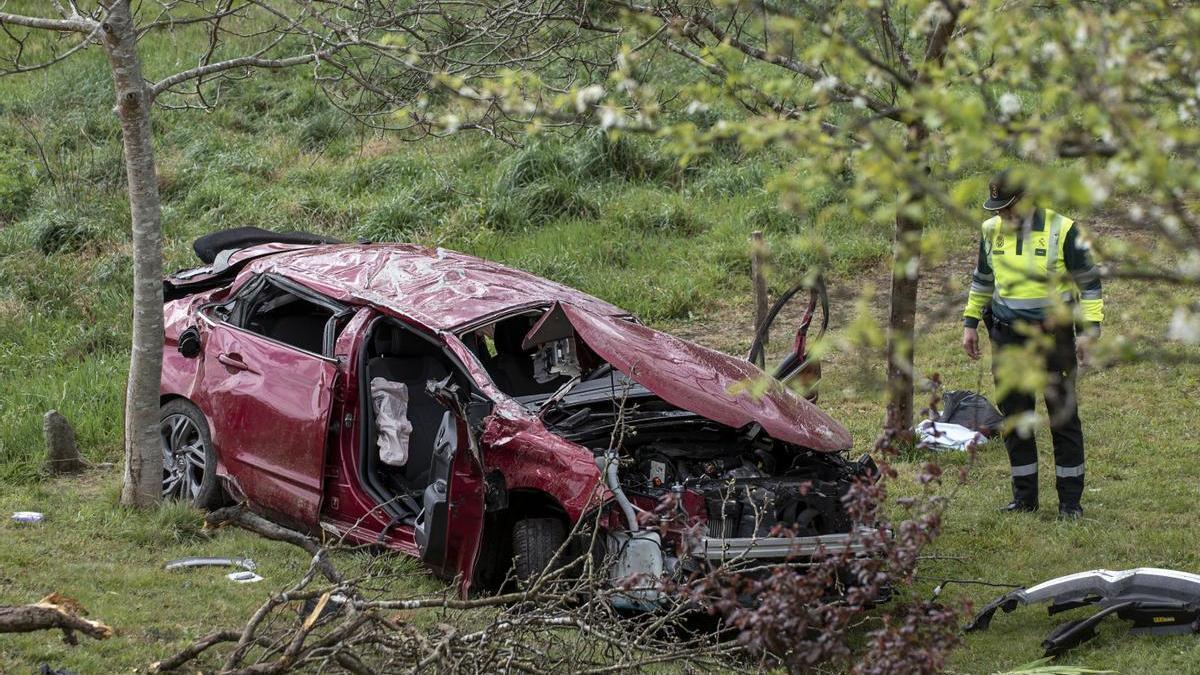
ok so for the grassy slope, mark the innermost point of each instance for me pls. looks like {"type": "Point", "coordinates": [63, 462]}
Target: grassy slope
{"type": "Point", "coordinates": [622, 222]}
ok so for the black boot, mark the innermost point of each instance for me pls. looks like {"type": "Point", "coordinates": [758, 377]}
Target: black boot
{"type": "Point", "coordinates": [1018, 506]}
{"type": "Point", "coordinates": [1070, 511]}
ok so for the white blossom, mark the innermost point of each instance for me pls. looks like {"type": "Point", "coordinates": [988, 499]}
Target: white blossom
{"type": "Point", "coordinates": [587, 96]}
{"type": "Point", "coordinates": [610, 117]}
{"type": "Point", "coordinates": [827, 83]}
{"type": "Point", "coordinates": [1081, 35]}
{"type": "Point", "coordinates": [859, 102]}
{"type": "Point", "coordinates": [1096, 188]}
{"type": "Point", "coordinates": [451, 123]}
{"type": "Point", "coordinates": [1009, 104]}
{"type": "Point", "coordinates": [933, 14]}
{"type": "Point", "coordinates": [1190, 266]}
{"type": "Point", "coordinates": [696, 107]}
{"type": "Point", "coordinates": [1170, 223]}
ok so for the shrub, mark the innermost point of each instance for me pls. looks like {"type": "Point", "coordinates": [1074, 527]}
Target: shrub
{"type": "Point", "coordinates": [654, 211]}
{"type": "Point", "coordinates": [17, 184]}
{"type": "Point", "coordinates": [538, 162]}
{"type": "Point", "coordinates": [58, 231]}
{"type": "Point", "coordinates": [321, 130]}
{"type": "Point", "coordinates": [397, 218]}
{"type": "Point", "coordinates": [537, 203]}
{"type": "Point", "coordinates": [730, 179]}
{"type": "Point", "coordinates": [597, 155]}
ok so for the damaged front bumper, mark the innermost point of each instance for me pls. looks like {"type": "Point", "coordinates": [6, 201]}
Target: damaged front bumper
{"type": "Point", "coordinates": [1156, 601]}
{"type": "Point", "coordinates": [779, 549]}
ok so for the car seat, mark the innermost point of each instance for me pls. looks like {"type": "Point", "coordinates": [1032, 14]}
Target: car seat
{"type": "Point", "coordinates": [404, 357]}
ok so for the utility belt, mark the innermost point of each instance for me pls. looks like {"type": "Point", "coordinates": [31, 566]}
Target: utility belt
{"type": "Point", "coordinates": [995, 326]}
{"type": "Point", "coordinates": [1007, 331]}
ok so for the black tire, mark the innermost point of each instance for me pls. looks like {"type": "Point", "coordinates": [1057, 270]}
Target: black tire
{"type": "Point", "coordinates": [189, 459]}
{"type": "Point", "coordinates": [535, 543]}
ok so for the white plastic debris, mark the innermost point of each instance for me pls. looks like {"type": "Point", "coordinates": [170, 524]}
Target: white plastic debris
{"type": "Point", "coordinates": [391, 420]}
{"type": "Point", "coordinates": [28, 517]}
{"type": "Point", "coordinates": [244, 577]}
{"type": "Point", "coordinates": [946, 436]}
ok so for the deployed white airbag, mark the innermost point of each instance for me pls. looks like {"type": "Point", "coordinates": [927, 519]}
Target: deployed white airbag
{"type": "Point", "coordinates": [392, 427]}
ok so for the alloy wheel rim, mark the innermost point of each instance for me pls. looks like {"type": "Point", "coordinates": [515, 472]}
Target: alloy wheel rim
{"type": "Point", "coordinates": [183, 457]}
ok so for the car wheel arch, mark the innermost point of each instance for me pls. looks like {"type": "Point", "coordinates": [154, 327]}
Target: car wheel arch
{"type": "Point", "coordinates": [231, 490]}
{"type": "Point", "coordinates": [521, 504]}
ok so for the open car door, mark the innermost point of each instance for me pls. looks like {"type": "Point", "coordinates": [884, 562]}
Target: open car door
{"type": "Point", "coordinates": [448, 530]}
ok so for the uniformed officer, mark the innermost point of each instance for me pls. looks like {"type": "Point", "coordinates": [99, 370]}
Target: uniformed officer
{"type": "Point", "coordinates": [1031, 263]}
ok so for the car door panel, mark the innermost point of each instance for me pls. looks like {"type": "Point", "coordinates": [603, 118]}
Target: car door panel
{"type": "Point", "coordinates": [272, 405]}
{"type": "Point", "coordinates": [447, 531]}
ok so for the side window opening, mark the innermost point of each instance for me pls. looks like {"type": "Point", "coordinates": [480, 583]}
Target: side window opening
{"type": "Point", "coordinates": [512, 368]}
{"type": "Point", "coordinates": [278, 314]}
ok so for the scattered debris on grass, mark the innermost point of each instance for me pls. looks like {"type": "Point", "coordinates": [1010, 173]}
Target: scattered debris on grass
{"type": "Point", "coordinates": [1156, 601]}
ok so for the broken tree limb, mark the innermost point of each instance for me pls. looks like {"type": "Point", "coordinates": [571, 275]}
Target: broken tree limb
{"type": "Point", "coordinates": [238, 515]}
{"type": "Point", "coordinates": [52, 612]}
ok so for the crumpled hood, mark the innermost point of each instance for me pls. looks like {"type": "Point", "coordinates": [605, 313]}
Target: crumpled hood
{"type": "Point", "coordinates": [702, 380]}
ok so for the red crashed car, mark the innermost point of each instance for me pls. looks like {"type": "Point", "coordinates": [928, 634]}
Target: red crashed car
{"type": "Point", "coordinates": [457, 410]}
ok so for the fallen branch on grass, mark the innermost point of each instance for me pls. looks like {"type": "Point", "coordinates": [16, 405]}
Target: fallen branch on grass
{"type": "Point", "coordinates": [554, 623]}
{"type": "Point", "coordinates": [238, 515]}
{"type": "Point", "coordinates": [52, 612]}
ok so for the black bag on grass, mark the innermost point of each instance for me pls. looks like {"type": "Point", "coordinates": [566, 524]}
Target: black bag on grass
{"type": "Point", "coordinates": [971, 410]}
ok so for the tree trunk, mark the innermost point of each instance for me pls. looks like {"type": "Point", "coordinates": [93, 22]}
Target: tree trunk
{"type": "Point", "coordinates": [901, 323]}
{"type": "Point", "coordinates": [143, 454]}
{"type": "Point", "coordinates": [902, 315]}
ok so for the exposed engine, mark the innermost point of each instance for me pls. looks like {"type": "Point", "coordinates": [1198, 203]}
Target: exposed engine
{"type": "Point", "coordinates": [751, 489]}
{"type": "Point", "coordinates": [753, 485]}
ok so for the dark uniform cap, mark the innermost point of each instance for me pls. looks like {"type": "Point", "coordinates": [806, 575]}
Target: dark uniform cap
{"type": "Point", "coordinates": [1003, 191]}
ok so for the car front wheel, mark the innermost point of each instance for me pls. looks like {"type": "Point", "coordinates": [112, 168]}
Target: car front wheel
{"type": "Point", "coordinates": [536, 546]}
{"type": "Point", "coordinates": [189, 460]}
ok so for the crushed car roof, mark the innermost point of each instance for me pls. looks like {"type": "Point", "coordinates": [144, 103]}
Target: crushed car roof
{"type": "Point", "coordinates": [441, 288]}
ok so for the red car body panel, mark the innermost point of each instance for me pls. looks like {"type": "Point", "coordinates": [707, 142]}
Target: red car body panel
{"type": "Point", "coordinates": [275, 404]}
{"type": "Point", "coordinates": [286, 428]}
{"type": "Point", "coordinates": [703, 381]}
{"type": "Point", "coordinates": [532, 458]}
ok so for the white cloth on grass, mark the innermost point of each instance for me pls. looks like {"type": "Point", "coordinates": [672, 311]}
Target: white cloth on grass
{"type": "Point", "coordinates": [946, 436]}
{"type": "Point", "coordinates": [392, 427]}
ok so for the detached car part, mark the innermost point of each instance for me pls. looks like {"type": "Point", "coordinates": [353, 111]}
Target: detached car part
{"type": "Point", "coordinates": [184, 563]}
{"type": "Point", "coordinates": [798, 363]}
{"type": "Point", "coordinates": [1156, 601]}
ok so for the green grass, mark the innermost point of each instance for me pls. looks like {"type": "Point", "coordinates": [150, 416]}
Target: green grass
{"type": "Point", "coordinates": [615, 217]}
{"type": "Point", "coordinates": [111, 560]}
{"type": "Point", "coordinates": [1142, 483]}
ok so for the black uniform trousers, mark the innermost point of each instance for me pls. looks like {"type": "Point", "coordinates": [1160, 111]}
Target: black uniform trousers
{"type": "Point", "coordinates": [1063, 408]}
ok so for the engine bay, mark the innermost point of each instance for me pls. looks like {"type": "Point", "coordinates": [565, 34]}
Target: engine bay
{"type": "Point", "coordinates": [751, 488]}
{"type": "Point", "coordinates": [752, 485]}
